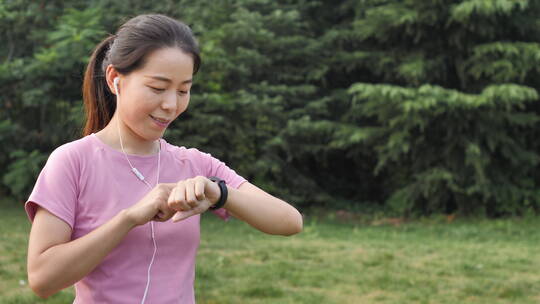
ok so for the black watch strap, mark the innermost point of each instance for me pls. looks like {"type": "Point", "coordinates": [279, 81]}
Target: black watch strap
{"type": "Point", "coordinates": [223, 191]}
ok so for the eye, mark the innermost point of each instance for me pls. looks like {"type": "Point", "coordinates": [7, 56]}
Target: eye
{"type": "Point", "coordinates": [158, 90]}
{"type": "Point", "coordinates": [182, 93]}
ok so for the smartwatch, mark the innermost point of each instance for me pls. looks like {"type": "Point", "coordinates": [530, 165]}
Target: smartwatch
{"type": "Point", "coordinates": [222, 190]}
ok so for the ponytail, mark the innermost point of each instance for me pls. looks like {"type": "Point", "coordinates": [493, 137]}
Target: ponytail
{"type": "Point", "coordinates": [99, 102]}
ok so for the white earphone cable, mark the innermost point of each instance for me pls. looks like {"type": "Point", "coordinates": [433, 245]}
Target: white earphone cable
{"type": "Point", "coordinates": [141, 177]}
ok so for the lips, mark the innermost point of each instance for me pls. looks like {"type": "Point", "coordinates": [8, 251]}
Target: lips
{"type": "Point", "coordinates": [160, 121]}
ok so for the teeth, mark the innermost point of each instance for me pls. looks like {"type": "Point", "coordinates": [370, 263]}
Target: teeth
{"type": "Point", "coordinates": [160, 120]}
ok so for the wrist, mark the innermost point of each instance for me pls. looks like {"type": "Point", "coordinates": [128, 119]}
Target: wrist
{"type": "Point", "coordinates": [127, 219]}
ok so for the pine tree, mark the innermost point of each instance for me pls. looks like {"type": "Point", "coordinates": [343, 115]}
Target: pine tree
{"type": "Point", "coordinates": [452, 128]}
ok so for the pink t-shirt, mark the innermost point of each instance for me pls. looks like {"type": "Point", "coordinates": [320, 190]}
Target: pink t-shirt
{"type": "Point", "coordinates": [86, 183]}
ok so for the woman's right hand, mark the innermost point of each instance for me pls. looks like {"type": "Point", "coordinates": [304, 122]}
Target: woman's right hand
{"type": "Point", "coordinates": [153, 206]}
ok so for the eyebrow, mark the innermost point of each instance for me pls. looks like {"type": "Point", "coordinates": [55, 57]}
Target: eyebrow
{"type": "Point", "coordinates": [168, 80]}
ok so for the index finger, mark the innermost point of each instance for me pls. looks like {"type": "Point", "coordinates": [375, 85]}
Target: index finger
{"type": "Point", "coordinates": [199, 190]}
{"type": "Point", "coordinates": [181, 215]}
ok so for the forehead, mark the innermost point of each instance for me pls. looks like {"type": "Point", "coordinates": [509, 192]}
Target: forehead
{"type": "Point", "coordinates": [171, 63]}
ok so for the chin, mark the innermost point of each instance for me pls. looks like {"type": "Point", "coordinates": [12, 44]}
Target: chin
{"type": "Point", "coordinates": [151, 136]}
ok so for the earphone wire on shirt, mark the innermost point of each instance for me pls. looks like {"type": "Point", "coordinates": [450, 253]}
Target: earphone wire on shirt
{"type": "Point", "coordinates": [141, 177]}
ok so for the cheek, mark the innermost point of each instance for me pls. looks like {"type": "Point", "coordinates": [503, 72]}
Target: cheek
{"type": "Point", "coordinates": [183, 105]}
{"type": "Point", "coordinates": [138, 106]}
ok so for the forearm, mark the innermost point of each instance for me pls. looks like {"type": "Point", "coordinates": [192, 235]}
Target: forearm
{"type": "Point", "coordinates": [62, 265]}
{"type": "Point", "coordinates": [263, 211]}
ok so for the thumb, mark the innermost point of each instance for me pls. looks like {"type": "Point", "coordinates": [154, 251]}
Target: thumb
{"type": "Point", "coordinates": [169, 186]}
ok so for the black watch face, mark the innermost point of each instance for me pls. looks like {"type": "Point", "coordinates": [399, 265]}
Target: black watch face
{"type": "Point", "coordinates": [216, 179]}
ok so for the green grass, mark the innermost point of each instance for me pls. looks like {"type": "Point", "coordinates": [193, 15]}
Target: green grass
{"type": "Point", "coordinates": [426, 261]}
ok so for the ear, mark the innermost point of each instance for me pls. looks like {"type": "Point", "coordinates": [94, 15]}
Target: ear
{"type": "Point", "coordinates": [110, 75]}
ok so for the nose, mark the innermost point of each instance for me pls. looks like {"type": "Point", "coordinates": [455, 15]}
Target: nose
{"type": "Point", "coordinates": [169, 102]}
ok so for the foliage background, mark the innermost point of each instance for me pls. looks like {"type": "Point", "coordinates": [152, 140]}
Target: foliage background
{"type": "Point", "coordinates": [410, 107]}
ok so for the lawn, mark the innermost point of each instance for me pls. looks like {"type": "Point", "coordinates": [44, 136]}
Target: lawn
{"type": "Point", "coordinates": [424, 261]}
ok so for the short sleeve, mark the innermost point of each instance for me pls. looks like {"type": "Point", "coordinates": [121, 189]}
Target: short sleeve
{"type": "Point", "coordinates": [56, 188]}
{"type": "Point", "coordinates": [215, 167]}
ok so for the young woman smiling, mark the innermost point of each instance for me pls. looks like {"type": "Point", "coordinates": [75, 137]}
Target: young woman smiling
{"type": "Point", "coordinates": [117, 211]}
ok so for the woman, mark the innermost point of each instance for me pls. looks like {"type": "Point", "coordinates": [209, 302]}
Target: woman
{"type": "Point", "coordinates": [117, 212]}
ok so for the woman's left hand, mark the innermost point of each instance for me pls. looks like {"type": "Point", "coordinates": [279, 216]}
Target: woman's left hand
{"type": "Point", "coordinates": [193, 196]}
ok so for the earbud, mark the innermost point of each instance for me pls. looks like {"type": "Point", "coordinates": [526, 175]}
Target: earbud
{"type": "Point", "coordinates": [115, 81]}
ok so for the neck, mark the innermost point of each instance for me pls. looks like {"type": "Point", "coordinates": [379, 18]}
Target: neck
{"type": "Point", "coordinates": [131, 142]}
